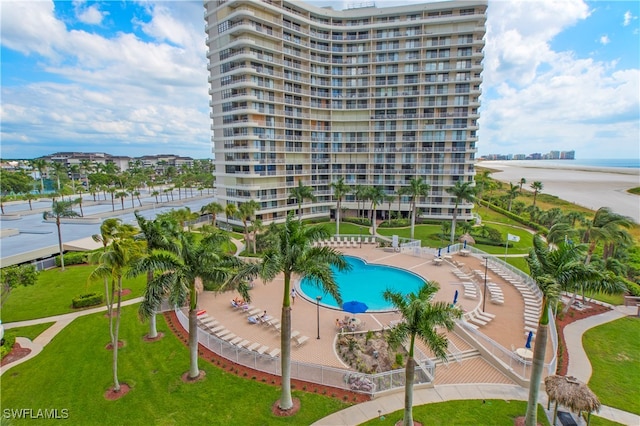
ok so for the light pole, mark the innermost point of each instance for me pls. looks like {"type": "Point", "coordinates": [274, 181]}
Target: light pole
{"type": "Point", "coordinates": [318, 298]}
{"type": "Point", "coordinates": [484, 293]}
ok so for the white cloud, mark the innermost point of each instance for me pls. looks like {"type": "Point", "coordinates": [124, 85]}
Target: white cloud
{"type": "Point", "coordinates": [88, 15]}
{"type": "Point", "coordinates": [627, 18]}
{"type": "Point", "coordinates": [604, 40]}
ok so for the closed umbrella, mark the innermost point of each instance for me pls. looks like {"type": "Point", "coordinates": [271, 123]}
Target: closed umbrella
{"type": "Point", "coordinates": [354, 307]}
{"type": "Point", "coordinates": [529, 338]}
{"type": "Point", "coordinates": [439, 251]}
{"type": "Point", "coordinates": [455, 297]}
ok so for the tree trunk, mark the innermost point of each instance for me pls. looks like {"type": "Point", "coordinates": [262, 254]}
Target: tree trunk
{"type": "Point", "coordinates": [153, 332]}
{"type": "Point", "coordinates": [60, 242]}
{"type": "Point", "coordinates": [408, 391]}
{"type": "Point", "coordinates": [539, 350]}
{"type": "Point", "coordinates": [453, 224]}
{"type": "Point", "coordinates": [338, 218]}
{"type": "Point", "coordinates": [114, 343]}
{"type": "Point", "coordinates": [109, 301]}
{"type": "Point", "coordinates": [194, 371]}
{"type": "Point", "coordinates": [413, 219]}
{"type": "Point", "coordinates": [286, 402]}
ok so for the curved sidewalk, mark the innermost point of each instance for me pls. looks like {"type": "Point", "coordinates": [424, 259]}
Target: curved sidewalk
{"type": "Point", "coordinates": [579, 367]}
{"type": "Point", "coordinates": [60, 322]}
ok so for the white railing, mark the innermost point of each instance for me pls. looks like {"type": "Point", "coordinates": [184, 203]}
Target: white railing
{"type": "Point", "coordinates": [313, 373]}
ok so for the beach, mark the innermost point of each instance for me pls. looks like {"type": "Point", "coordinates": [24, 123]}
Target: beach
{"type": "Point", "coordinates": [587, 186]}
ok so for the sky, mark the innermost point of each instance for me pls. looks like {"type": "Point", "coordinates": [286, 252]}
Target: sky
{"type": "Point", "coordinates": [130, 78]}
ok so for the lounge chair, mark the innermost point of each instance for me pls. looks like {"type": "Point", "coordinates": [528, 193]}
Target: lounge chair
{"type": "Point", "coordinates": [301, 339]}
{"type": "Point", "coordinates": [275, 352]}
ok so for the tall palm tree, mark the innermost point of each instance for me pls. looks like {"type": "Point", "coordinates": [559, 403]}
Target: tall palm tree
{"type": "Point", "coordinates": [462, 191]}
{"type": "Point", "coordinates": [522, 182]}
{"type": "Point", "coordinates": [417, 188]}
{"type": "Point", "coordinates": [74, 170]}
{"type": "Point", "coordinates": [195, 262]}
{"type": "Point", "coordinates": [606, 226]}
{"type": "Point", "coordinates": [301, 193]}
{"type": "Point", "coordinates": [113, 263]}
{"type": "Point", "coordinates": [340, 189]}
{"type": "Point", "coordinates": [512, 193]}
{"type": "Point", "coordinates": [247, 211]}
{"type": "Point", "coordinates": [389, 198]}
{"type": "Point", "coordinates": [545, 267]}
{"type": "Point", "coordinates": [159, 233]}
{"type": "Point", "coordinates": [421, 317]}
{"type": "Point", "coordinates": [359, 193]}
{"type": "Point", "coordinates": [376, 195]}
{"type": "Point", "coordinates": [213, 209]}
{"type": "Point", "coordinates": [537, 187]}
{"type": "Point", "coordinates": [230, 211]}
{"type": "Point", "coordinates": [59, 170]}
{"type": "Point", "coordinates": [294, 254]}
{"type": "Point", "coordinates": [40, 164]}
{"type": "Point", "coordinates": [60, 209]}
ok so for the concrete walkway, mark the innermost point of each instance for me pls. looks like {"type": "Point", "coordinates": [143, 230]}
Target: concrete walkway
{"type": "Point", "coordinates": [579, 367]}
{"type": "Point", "coordinates": [60, 322]}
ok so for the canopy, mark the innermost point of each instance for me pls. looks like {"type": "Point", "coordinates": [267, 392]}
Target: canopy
{"type": "Point", "coordinates": [354, 307]}
{"type": "Point", "coordinates": [571, 393]}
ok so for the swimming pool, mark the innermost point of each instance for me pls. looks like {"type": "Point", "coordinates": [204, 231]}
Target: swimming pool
{"type": "Point", "coordinates": [366, 283]}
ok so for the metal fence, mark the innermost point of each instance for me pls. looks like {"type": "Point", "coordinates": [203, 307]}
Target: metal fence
{"type": "Point", "coordinates": [43, 264]}
{"type": "Point", "coordinates": [313, 373]}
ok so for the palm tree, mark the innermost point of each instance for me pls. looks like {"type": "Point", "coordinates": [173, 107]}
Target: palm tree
{"type": "Point", "coordinates": [155, 194]}
{"type": "Point", "coordinates": [230, 211]}
{"type": "Point", "coordinates": [60, 209]}
{"type": "Point", "coordinates": [247, 210]}
{"type": "Point", "coordinates": [545, 266]}
{"type": "Point", "coordinates": [462, 191]}
{"type": "Point", "coordinates": [113, 263]}
{"type": "Point", "coordinates": [74, 169]}
{"type": "Point", "coordinates": [40, 164]}
{"type": "Point", "coordinates": [160, 233]}
{"type": "Point", "coordinates": [421, 317]}
{"type": "Point", "coordinates": [301, 193]}
{"type": "Point", "coordinates": [213, 209]}
{"type": "Point", "coordinates": [182, 272]}
{"type": "Point", "coordinates": [359, 193]}
{"type": "Point", "coordinates": [537, 187]}
{"type": "Point", "coordinates": [340, 189]}
{"type": "Point", "coordinates": [605, 227]}
{"type": "Point", "coordinates": [417, 188]}
{"type": "Point", "coordinates": [59, 169]}
{"type": "Point", "coordinates": [512, 193]}
{"type": "Point", "coordinates": [294, 254]}
{"type": "Point", "coordinates": [255, 228]}
{"type": "Point", "coordinates": [389, 198]}
{"type": "Point", "coordinates": [522, 182]}
{"type": "Point", "coordinates": [121, 195]}
{"type": "Point", "coordinates": [376, 195]}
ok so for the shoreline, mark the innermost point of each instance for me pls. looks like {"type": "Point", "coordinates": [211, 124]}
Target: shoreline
{"type": "Point", "coordinates": [588, 186]}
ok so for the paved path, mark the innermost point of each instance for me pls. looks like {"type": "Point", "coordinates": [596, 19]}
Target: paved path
{"type": "Point", "coordinates": [61, 321]}
{"type": "Point", "coordinates": [579, 367]}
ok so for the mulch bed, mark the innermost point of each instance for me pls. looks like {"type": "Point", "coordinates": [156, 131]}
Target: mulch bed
{"type": "Point", "coordinates": [112, 395]}
{"type": "Point", "coordinates": [563, 320]}
{"type": "Point", "coordinates": [260, 376]}
{"type": "Point", "coordinates": [16, 353]}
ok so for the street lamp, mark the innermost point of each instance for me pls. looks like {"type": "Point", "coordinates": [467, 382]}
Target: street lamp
{"type": "Point", "coordinates": [484, 293]}
{"type": "Point", "coordinates": [318, 298]}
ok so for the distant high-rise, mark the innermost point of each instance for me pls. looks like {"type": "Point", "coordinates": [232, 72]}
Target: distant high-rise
{"type": "Point", "coordinates": [376, 96]}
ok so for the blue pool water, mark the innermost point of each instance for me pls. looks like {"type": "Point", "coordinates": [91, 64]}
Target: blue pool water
{"type": "Point", "coordinates": [366, 283]}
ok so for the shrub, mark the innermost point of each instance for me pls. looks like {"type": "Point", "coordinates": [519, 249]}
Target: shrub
{"type": "Point", "coordinates": [84, 300]}
{"type": "Point", "coordinates": [73, 258]}
{"type": "Point", "coordinates": [9, 340]}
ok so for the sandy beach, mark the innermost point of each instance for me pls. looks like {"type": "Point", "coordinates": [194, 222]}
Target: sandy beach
{"type": "Point", "coordinates": [591, 187]}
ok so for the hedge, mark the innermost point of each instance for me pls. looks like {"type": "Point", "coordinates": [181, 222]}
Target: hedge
{"type": "Point", "coordinates": [9, 340]}
{"type": "Point", "coordinates": [515, 217]}
{"type": "Point", "coordinates": [73, 258]}
{"type": "Point", "coordinates": [84, 300]}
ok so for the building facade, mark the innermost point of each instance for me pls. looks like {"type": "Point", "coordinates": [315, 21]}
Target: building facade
{"type": "Point", "coordinates": [376, 96]}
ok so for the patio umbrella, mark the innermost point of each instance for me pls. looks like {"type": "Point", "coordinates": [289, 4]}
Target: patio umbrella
{"type": "Point", "coordinates": [529, 337]}
{"type": "Point", "coordinates": [439, 251]}
{"type": "Point", "coordinates": [455, 297]}
{"type": "Point", "coordinates": [354, 307]}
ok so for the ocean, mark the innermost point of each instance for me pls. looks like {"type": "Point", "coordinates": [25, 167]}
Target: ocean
{"type": "Point", "coordinates": [627, 163]}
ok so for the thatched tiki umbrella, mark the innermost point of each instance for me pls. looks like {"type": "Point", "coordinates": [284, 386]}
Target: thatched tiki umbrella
{"type": "Point", "coordinates": [571, 393]}
{"type": "Point", "coordinates": [467, 238]}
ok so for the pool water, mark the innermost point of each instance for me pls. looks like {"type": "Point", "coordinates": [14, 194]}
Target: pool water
{"type": "Point", "coordinates": [366, 283]}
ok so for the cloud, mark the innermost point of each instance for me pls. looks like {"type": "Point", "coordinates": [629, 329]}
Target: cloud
{"type": "Point", "coordinates": [88, 15]}
{"type": "Point", "coordinates": [628, 16]}
{"type": "Point", "coordinates": [604, 40]}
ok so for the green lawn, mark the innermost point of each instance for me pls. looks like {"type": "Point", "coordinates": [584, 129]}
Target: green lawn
{"type": "Point", "coordinates": [613, 299]}
{"type": "Point", "coordinates": [55, 289]}
{"type": "Point", "coordinates": [75, 371]}
{"type": "Point", "coordinates": [465, 412]}
{"type": "Point", "coordinates": [30, 332]}
{"type": "Point", "coordinates": [614, 352]}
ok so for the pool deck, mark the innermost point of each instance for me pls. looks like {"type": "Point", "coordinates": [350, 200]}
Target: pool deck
{"type": "Point", "coordinates": [507, 327]}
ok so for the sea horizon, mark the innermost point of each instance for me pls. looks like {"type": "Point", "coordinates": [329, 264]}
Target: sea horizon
{"type": "Point", "coordinates": [624, 163]}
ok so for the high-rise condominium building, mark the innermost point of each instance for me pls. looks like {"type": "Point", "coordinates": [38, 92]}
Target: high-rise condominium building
{"type": "Point", "coordinates": [376, 96]}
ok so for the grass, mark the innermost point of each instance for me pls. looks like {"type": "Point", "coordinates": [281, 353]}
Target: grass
{"type": "Point", "coordinates": [614, 352]}
{"type": "Point", "coordinates": [31, 331]}
{"type": "Point", "coordinates": [153, 370]}
{"type": "Point", "coordinates": [613, 299]}
{"type": "Point", "coordinates": [635, 190]}
{"type": "Point", "coordinates": [55, 289]}
{"type": "Point", "coordinates": [464, 412]}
